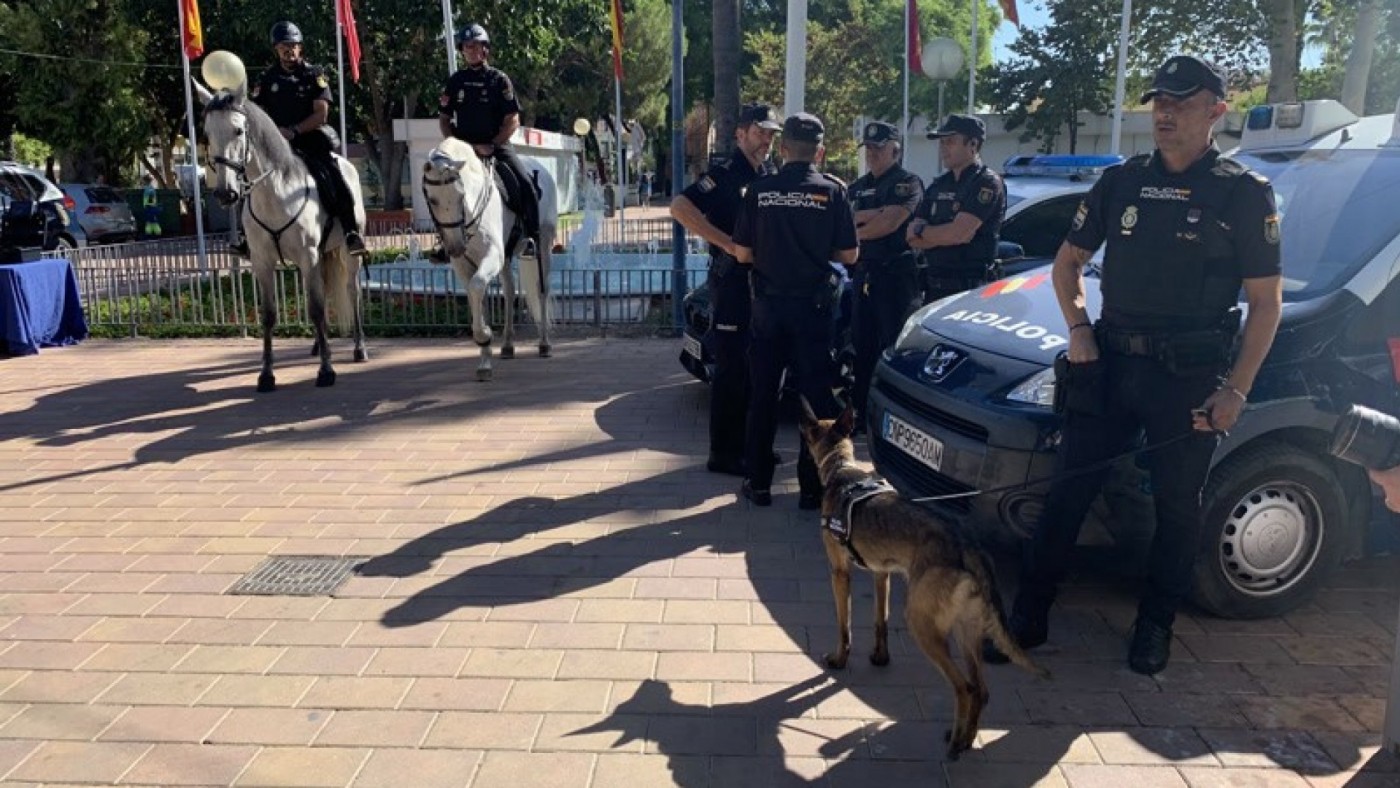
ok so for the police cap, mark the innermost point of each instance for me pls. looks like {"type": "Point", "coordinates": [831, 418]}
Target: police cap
{"type": "Point", "coordinates": [969, 126]}
{"type": "Point", "coordinates": [879, 133]}
{"type": "Point", "coordinates": [1183, 75]}
{"type": "Point", "coordinates": [760, 115]}
{"type": "Point", "coordinates": [803, 127]}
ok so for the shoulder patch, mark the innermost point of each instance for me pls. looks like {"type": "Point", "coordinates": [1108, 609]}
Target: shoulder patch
{"type": "Point", "coordinates": [257, 89]}
{"type": "Point", "coordinates": [321, 81]}
{"type": "Point", "coordinates": [1271, 229]}
{"type": "Point", "coordinates": [906, 189]}
{"type": "Point", "coordinates": [1226, 167]}
{"type": "Point", "coordinates": [706, 183]}
{"type": "Point", "coordinates": [833, 179]}
{"type": "Point", "coordinates": [1080, 216]}
{"type": "Point", "coordinates": [1139, 160]}
{"type": "Point", "coordinates": [985, 195]}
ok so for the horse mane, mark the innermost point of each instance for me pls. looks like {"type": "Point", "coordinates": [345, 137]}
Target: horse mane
{"type": "Point", "coordinates": [461, 154]}
{"type": "Point", "coordinates": [262, 131]}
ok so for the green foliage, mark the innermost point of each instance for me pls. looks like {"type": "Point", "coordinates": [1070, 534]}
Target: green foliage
{"type": "Point", "coordinates": [31, 151]}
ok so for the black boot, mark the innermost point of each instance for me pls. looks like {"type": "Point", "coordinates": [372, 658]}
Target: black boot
{"type": "Point", "coordinates": [354, 242]}
{"type": "Point", "coordinates": [239, 247]}
{"type": "Point", "coordinates": [1151, 647]}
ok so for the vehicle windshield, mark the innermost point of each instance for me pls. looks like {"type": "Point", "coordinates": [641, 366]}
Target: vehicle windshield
{"type": "Point", "coordinates": [1337, 212]}
{"type": "Point", "coordinates": [102, 194]}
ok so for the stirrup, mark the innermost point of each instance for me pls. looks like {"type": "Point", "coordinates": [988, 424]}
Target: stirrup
{"type": "Point", "coordinates": [355, 242]}
{"type": "Point", "coordinates": [528, 248]}
{"type": "Point", "coordinates": [240, 248]}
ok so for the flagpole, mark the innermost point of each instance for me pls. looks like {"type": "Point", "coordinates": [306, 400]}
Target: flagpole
{"type": "Point", "coordinates": [340, 72]}
{"type": "Point", "coordinates": [972, 61]}
{"type": "Point", "coordinates": [448, 35]}
{"type": "Point", "coordinates": [908, 23]}
{"type": "Point", "coordinates": [621, 164]}
{"type": "Point", "coordinates": [1119, 88]}
{"type": "Point", "coordinates": [192, 144]}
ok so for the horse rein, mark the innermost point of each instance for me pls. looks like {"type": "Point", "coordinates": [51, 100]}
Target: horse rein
{"type": "Point", "coordinates": [468, 228]}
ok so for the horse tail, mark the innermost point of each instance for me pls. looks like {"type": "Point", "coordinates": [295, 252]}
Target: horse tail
{"type": "Point", "coordinates": [338, 269]}
{"type": "Point", "coordinates": [534, 280]}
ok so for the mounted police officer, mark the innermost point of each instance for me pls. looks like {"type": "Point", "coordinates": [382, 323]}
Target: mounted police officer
{"type": "Point", "coordinates": [708, 209]}
{"type": "Point", "coordinates": [478, 105]}
{"type": "Point", "coordinates": [791, 225]}
{"type": "Point", "coordinates": [959, 223]}
{"type": "Point", "coordinates": [297, 96]}
{"type": "Point", "coordinates": [1185, 228]}
{"type": "Point", "coordinates": [887, 279]}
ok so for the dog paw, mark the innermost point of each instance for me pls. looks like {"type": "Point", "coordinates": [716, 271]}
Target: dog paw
{"type": "Point", "coordinates": [835, 662]}
{"type": "Point", "coordinates": [880, 658]}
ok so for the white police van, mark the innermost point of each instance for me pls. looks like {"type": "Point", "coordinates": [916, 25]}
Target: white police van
{"type": "Point", "coordinates": [961, 402]}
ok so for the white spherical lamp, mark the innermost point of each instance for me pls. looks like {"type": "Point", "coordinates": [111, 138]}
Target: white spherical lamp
{"type": "Point", "coordinates": [223, 70]}
{"type": "Point", "coordinates": [581, 126]}
{"type": "Point", "coordinates": [942, 59]}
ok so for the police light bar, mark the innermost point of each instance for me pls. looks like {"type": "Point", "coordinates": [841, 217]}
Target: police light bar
{"type": "Point", "coordinates": [1292, 123]}
{"type": "Point", "coordinates": [1061, 165]}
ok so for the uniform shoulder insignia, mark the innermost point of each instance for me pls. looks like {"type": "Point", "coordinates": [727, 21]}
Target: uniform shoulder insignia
{"type": "Point", "coordinates": [706, 183]}
{"type": "Point", "coordinates": [906, 189]}
{"type": "Point", "coordinates": [1226, 167]}
{"type": "Point", "coordinates": [1139, 160]}
{"type": "Point", "coordinates": [321, 81]}
{"type": "Point", "coordinates": [834, 179]}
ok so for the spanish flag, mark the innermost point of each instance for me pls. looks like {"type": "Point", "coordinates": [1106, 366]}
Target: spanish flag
{"type": "Point", "coordinates": [191, 33]}
{"type": "Point", "coordinates": [617, 38]}
{"type": "Point", "coordinates": [1008, 7]}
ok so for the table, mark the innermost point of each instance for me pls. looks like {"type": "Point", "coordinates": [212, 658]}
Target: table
{"type": "Point", "coordinates": [39, 307]}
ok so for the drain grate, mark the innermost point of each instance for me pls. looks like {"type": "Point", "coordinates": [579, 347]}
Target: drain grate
{"type": "Point", "coordinates": [297, 575]}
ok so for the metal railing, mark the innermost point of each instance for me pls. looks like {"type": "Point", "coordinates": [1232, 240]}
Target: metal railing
{"type": "Point", "coordinates": [159, 288]}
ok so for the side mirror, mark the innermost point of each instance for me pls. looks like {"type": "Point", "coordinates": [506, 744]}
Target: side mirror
{"type": "Point", "coordinates": [1010, 250]}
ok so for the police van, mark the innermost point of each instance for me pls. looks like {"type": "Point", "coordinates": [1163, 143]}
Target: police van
{"type": "Point", "coordinates": [961, 402]}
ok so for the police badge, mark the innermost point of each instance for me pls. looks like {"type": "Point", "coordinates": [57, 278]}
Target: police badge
{"type": "Point", "coordinates": [321, 81]}
{"type": "Point", "coordinates": [1080, 216]}
{"type": "Point", "coordinates": [1130, 219]}
{"type": "Point", "coordinates": [985, 195]}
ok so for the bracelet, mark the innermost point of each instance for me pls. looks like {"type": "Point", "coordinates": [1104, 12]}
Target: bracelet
{"type": "Point", "coordinates": [1085, 324]}
{"type": "Point", "coordinates": [1235, 391]}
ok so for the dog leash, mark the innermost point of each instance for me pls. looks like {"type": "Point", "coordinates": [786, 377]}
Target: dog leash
{"type": "Point", "coordinates": [1070, 474]}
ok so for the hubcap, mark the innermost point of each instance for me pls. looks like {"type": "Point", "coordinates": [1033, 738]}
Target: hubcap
{"type": "Point", "coordinates": [1271, 538]}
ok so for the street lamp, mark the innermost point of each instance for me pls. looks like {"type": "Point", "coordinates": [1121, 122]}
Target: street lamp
{"type": "Point", "coordinates": [942, 60]}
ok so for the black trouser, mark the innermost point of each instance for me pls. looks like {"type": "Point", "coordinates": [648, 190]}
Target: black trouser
{"type": "Point", "coordinates": [939, 283]}
{"type": "Point", "coordinates": [792, 333]}
{"type": "Point", "coordinates": [887, 292]}
{"type": "Point", "coordinates": [529, 203]}
{"type": "Point", "coordinates": [316, 148]}
{"type": "Point", "coordinates": [728, 341]}
{"type": "Point", "coordinates": [1142, 395]}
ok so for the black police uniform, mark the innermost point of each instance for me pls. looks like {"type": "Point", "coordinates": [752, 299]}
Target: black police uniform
{"type": "Point", "coordinates": [1178, 247]}
{"type": "Point", "coordinates": [886, 280]}
{"type": "Point", "coordinates": [952, 269]}
{"type": "Point", "coordinates": [717, 195]}
{"type": "Point", "coordinates": [476, 101]}
{"type": "Point", "coordinates": [793, 221]}
{"type": "Point", "coordinates": [288, 98]}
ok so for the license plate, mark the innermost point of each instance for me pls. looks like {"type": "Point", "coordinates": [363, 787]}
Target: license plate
{"type": "Point", "coordinates": [912, 441]}
{"type": "Point", "coordinates": [692, 347]}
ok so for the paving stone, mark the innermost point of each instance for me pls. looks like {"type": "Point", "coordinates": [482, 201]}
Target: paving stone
{"type": "Point", "coordinates": [430, 768]}
{"type": "Point", "coordinates": [79, 762]}
{"type": "Point", "coordinates": [190, 764]}
{"type": "Point", "coordinates": [291, 766]}
{"type": "Point", "coordinates": [164, 724]}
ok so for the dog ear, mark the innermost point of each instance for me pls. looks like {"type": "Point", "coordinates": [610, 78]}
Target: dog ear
{"type": "Point", "coordinates": [846, 422]}
{"type": "Point", "coordinates": [805, 414]}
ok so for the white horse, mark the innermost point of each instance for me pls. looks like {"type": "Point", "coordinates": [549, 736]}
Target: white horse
{"type": "Point", "coordinates": [464, 201]}
{"type": "Point", "coordinates": [284, 219]}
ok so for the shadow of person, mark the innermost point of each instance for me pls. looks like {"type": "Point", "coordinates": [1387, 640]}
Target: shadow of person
{"type": "Point", "coordinates": [746, 740]}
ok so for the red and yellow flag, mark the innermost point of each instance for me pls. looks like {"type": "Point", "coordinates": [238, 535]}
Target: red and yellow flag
{"type": "Point", "coordinates": [352, 36]}
{"type": "Point", "coordinates": [617, 37]}
{"type": "Point", "coordinates": [916, 48]}
{"type": "Point", "coordinates": [191, 33]}
{"type": "Point", "coordinates": [1008, 7]}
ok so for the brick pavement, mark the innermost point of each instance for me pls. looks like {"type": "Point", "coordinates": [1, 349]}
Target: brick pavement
{"type": "Point", "coordinates": [557, 595]}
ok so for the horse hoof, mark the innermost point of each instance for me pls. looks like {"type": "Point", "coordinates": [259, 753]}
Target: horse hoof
{"type": "Point", "coordinates": [508, 351]}
{"type": "Point", "coordinates": [361, 354]}
{"type": "Point", "coordinates": [266, 383]}
{"type": "Point", "coordinates": [545, 351]}
{"type": "Point", "coordinates": [325, 378]}
{"type": "Point", "coordinates": [483, 375]}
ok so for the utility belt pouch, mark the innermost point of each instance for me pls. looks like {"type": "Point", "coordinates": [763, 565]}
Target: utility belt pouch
{"type": "Point", "coordinates": [1196, 353]}
{"type": "Point", "coordinates": [1080, 388]}
{"type": "Point", "coordinates": [721, 265]}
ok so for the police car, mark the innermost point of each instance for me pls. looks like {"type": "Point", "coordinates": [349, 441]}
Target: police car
{"type": "Point", "coordinates": [1042, 194]}
{"type": "Point", "coordinates": [962, 401]}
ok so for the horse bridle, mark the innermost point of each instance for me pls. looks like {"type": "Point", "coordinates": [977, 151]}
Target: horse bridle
{"type": "Point", "coordinates": [468, 227]}
{"type": "Point", "coordinates": [240, 169]}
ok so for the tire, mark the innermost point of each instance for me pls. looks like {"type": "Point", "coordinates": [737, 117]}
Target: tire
{"type": "Point", "coordinates": [1274, 527]}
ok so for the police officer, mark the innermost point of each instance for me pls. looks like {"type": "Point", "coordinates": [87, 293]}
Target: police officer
{"type": "Point", "coordinates": [479, 106]}
{"type": "Point", "coordinates": [708, 208]}
{"type": "Point", "coordinates": [959, 223]}
{"type": "Point", "coordinates": [887, 279]}
{"type": "Point", "coordinates": [789, 228]}
{"type": "Point", "coordinates": [297, 96]}
{"type": "Point", "coordinates": [1185, 228]}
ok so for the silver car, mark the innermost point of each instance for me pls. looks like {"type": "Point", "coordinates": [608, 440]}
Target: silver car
{"type": "Point", "coordinates": [102, 212]}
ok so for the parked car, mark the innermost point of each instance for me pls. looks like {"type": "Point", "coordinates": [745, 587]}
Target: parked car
{"type": "Point", "coordinates": [971, 379]}
{"type": "Point", "coordinates": [36, 213]}
{"type": "Point", "coordinates": [1042, 193]}
{"type": "Point", "coordinates": [102, 213]}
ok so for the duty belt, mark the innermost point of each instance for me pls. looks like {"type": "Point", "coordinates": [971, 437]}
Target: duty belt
{"type": "Point", "coordinates": [1129, 343]}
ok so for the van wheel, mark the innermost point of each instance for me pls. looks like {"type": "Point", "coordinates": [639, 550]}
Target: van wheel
{"type": "Point", "coordinates": [1274, 517]}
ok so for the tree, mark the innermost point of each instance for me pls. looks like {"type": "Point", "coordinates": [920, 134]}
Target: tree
{"type": "Point", "coordinates": [1362, 51]}
{"type": "Point", "coordinates": [726, 43]}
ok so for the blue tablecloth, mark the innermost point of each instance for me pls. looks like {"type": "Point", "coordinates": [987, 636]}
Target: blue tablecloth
{"type": "Point", "coordinates": [39, 306]}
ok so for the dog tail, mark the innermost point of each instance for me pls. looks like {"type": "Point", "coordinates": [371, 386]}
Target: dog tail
{"type": "Point", "coordinates": [997, 629]}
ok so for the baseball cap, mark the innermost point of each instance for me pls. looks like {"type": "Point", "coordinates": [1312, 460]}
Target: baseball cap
{"type": "Point", "coordinates": [760, 115]}
{"type": "Point", "coordinates": [969, 126]}
{"type": "Point", "coordinates": [803, 127]}
{"type": "Point", "coordinates": [879, 133]}
{"type": "Point", "coordinates": [1183, 75]}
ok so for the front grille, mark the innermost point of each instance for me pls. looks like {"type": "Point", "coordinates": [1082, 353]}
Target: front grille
{"type": "Point", "coordinates": [961, 426]}
{"type": "Point", "coordinates": [925, 479]}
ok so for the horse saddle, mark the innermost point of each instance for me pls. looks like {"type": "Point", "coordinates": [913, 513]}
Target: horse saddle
{"type": "Point", "coordinates": [510, 186]}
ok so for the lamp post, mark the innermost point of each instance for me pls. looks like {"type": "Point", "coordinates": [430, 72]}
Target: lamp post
{"type": "Point", "coordinates": [942, 59]}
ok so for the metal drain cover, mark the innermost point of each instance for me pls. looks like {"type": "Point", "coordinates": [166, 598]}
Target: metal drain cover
{"type": "Point", "coordinates": [297, 575]}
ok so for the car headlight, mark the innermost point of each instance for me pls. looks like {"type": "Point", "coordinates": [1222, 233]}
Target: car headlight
{"type": "Point", "coordinates": [1038, 389]}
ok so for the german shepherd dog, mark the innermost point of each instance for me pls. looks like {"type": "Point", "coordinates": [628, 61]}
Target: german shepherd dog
{"type": "Point", "coordinates": [952, 588]}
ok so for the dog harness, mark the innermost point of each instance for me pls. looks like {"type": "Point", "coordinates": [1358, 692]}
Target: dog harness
{"type": "Point", "coordinates": [841, 523]}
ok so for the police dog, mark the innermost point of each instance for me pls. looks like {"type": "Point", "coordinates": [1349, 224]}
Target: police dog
{"type": "Point", "coordinates": [952, 588]}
